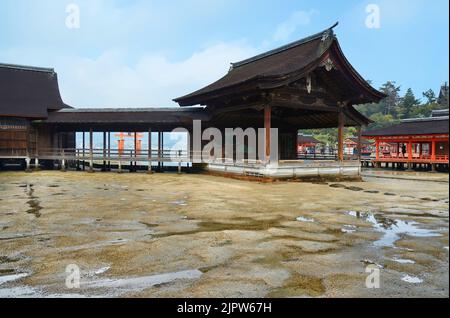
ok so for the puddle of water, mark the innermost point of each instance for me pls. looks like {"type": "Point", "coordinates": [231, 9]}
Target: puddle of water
{"type": "Point", "coordinates": [179, 202]}
{"type": "Point", "coordinates": [135, 284]}
{"type": "Point", "coordinates": [412, 279]}
{"type": "Point", "coordinates": [35, 207]}
{"type": "Point", "coordinates": [403, 261]}
{"type": "Point", "coordinates": [102, 270]}
{"type": "Point", "coordinates": [304, 219]}
{"type": "Point", "coordinates": [17, 292]}
{"type": "Point", "coordinates": [11, 278]}
{"type": "Point", "coordinates": [353, 188]}
{"type": "Point", "coordinates": [393, 229]}
{"type": "Point", "coordinates": [349, 229]}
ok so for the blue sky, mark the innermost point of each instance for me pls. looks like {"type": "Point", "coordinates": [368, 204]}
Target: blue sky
{"type": "Point", "coordinates": [131, 53]}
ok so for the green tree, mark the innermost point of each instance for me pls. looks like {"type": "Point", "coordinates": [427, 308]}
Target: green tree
{"type": "Point", "coordinates": [430, 96]}
{"type": "Point", "coordinates": [407, 104]}
{"type": "Point", "coordinates": [390, 103]}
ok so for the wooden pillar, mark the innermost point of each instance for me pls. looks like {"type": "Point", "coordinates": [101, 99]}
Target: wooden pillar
{"type": "Point", "coordinates": [135, 151]}
{"type": "Point", "coordinates": [359, 131]}
{"type": "Point", "coordinates": [162, 150]}
{"type": "Point", "coordinates": [341, 123]}
{"type": "Point", "coordinates": [410, 154]}
{"type": "Point", "coordinates": [104, 151]}
{"type": "Point", "coordinates": [267, 127]}
{"type": "Point", "coordinates": [84, 147]}
{"type": "Point", "coordinates": [149, 150]}
{"type": "Point", "coordinates": [36, 157]}
{"type": "Point", "coordinates": [410, 150]}
{"type": "Point", "coordinates": [377, 149]}
{"type": "Point", "coordinates": [109, 150]}
{"type": "Point", "coordinates": [433, 150]}
{"type": "Point", "coordinates": [159, 151]}
{"type": "Point", "coordinates": [91, 150]}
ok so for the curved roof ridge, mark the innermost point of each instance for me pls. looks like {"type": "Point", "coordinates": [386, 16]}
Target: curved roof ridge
{"type": "Point", "coordinates": [27, 68]}
{"type": "Point", "coordinates": [285, 47]}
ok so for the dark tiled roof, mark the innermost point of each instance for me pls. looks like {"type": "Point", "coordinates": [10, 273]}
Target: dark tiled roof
{"type": "Point", "coordinates": [307, 140]}
{"type": "Point", "coordinates": [355, 140]}
{"type": "Point", "coordinates": [439, 112]}
{"type": "Point", "coordinates": [286, 59]}
{"type": "Point", "coordinates": [425, 126]}
{"type": "Point", "coordinates": [28, 92]}
{"type": "Point", "coordinates": [171, 115]}
{"type": "Point", "coordinates": [275, 67]}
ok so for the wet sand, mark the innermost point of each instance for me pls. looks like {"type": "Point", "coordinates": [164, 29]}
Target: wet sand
{"type": "Point", "coordinates": [168, 235]}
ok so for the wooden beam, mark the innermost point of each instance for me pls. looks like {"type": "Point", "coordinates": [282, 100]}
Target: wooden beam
{"type": "Point", "coordinates": [300, 106]}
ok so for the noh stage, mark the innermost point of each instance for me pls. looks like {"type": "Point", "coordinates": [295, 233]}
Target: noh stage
{"type": "Point", "coordinates": [307, 84]}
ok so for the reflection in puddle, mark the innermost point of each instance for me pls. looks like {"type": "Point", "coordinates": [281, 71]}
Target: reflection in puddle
{"type": "Point", "coordinates": [403, 261]}
{"type": "Point", "coordinates": [349, 228]}
{"type": "Point", "coordinates": [304, 219]}
{"type": "Point", "coordinates": [33, 203]}
{"type": "Point", "coordinates": [11, 278]}
{"type": "Point", "coordinates": [35, 207]}
{"type": "Point", "coordinates": [179, 202]}
{"type": "Point", "coordinates": [412, 279]}
{"type": "Point", "coordinates": [140, 283]}
{"type": "Point", "coordinates": [392, 229]}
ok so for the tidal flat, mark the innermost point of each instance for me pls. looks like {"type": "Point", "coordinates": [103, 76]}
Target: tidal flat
{"type": "Point", "coordinates": [195, 235]}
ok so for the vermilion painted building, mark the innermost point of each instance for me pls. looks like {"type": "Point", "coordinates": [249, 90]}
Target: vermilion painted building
{"type": "Point", "coordinates": [414, 142]}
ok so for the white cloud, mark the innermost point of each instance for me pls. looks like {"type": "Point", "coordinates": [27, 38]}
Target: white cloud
{"type": "Point", "coordinates": [153, 81]}
{"type": "Point", "coordinates": [296, 20]}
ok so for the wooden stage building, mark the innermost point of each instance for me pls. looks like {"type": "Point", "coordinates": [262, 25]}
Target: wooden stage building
{"type": "Point", "coordinates": [306, 84]}
{"type": "Point", "coordinates": [420, 143]}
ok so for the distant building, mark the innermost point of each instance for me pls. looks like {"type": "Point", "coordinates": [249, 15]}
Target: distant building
{"type": "Point", "coordinates": [443, 96]}
{"type": "Point", "coordinates": [351, 146]}
{"type": "Point", "coordinates": [307, 143]}
{"type": "Point", "coordinates": [414, 142]}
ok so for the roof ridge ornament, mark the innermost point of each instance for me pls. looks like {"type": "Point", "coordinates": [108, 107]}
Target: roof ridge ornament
{"type": "Point", "coordinates": [328, 64]}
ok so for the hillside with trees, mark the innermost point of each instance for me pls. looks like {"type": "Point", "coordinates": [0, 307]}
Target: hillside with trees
{"type": "Point", "coordinates": [391, 110]}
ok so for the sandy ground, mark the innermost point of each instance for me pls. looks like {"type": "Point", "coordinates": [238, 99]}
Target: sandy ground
{"type": "Point", "coordinates": [168, 235]}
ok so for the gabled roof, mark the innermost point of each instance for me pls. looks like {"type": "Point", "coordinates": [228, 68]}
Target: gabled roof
{"type": "Point", "coordinates": [155, 115]}
{"type": "Point", "coordinates": [272, 69]}
{"type": "Point", "coordinates": [355, 140]}
{"type": "Point", "coordinates": [302, 139]}
{"type": "Point", "coordinates": [417, 126]}
{"type": "Point", "coordinates": [28, 92]}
